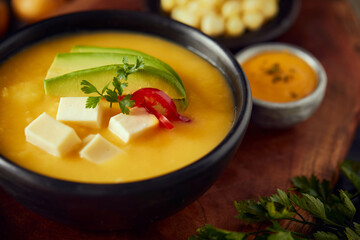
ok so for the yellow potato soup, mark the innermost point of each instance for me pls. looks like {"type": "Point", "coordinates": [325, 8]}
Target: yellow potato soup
{"type": "Point", "coordinates": [154, 153]}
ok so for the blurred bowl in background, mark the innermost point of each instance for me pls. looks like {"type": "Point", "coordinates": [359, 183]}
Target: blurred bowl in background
{"type": "Point", "coordinates": [287, 14]}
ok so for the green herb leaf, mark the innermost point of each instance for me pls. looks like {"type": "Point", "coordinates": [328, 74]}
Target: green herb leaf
{"type": "Point", "coordinates": [92, 102]}
{"type": "Point", "coordinates": [276, 210]}
{"type": "Point", "coordinates": [111, 96]}
{"type": "Point", "coordinates": [126, 65]}
{"type": "Point", "coordinates": [325, 236]}
{"type": "Point", "coordinates": [346, 207]}
{"type": "Point", "coordinates": [351, 234]}
{"type": "Point", "coordinates": [124, 85]}
{"type": "Point", "coordinates": [280, 233]}
{"type": "Point", "coordinates": [126, 70]}
{"type": "Point", "coordinates": [311, 204]}
{"type": "Point", "coordinates": [88, 87]}
{"type": "Point", "coordinates": [138, 65]}
{"type": "Point", "coordinates": [282, 198]}
{"type": "Point", "coordinates": [334, 212]}
{"type": "Point", "coordinates": [351, 170]}
{"type": "Point", "coordinates": [121, 74]}
{"type": "Point", "coordinates": [251, 211]}
{"type": "Point", "coordinates": [278, 206]}
{"type": "Point", "coordinates": [357, 227]}
{"type": "Point", "coordinates": [209, 232]}
{"type": "Point", "coordinates": [119, 82]}
{"type": "Point", "coordinates": [282, 236]}
{"type": "Point", "coordinates": [338, 208]}
{"type": "Point", "coordinates": [314, 187]}
{"type": "Point", "coordinates": [105, 87]}
{"type": "Point", "coordinates": [275, 227]}
{"type": "Point", "coordinates": [126, 104]}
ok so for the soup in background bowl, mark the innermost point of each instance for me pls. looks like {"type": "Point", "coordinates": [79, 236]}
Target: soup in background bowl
{"type": "Point", "coordinates": [145, 187]}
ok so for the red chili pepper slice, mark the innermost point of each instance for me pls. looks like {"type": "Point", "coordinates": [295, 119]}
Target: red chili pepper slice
{"type": "Point", "coordinates": [162, 119]}
{"type": "Point", "coordinates": [149, 97]}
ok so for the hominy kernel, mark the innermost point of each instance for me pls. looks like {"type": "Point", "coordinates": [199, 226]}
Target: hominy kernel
{"type": "Point", "coordinates": [235, 26]}
{"type": "Point", "coordinates": [231, 8]}
{"type": "Point", "coordinates": [253, 20]}
{"type": "Point", "coordinates": [167, 5]}
{"type": "Point", "coordinates": [213, 24]}
{"type": "Point", "coordinates": [252, 5]}
{"type": "Point", "coordinates": [185, 16]}
{"type": "Point", "coordinates": [270, 8]}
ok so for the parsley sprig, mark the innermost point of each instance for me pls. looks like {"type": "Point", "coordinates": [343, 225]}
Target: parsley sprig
{"type": "Point", "coordinates": [334, 212]}
{"type": "Point", "coordinates": [119, 82]}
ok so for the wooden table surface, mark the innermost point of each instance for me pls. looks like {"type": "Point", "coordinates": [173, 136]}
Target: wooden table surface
{"type": "Point", "coordinates": [266, 159]}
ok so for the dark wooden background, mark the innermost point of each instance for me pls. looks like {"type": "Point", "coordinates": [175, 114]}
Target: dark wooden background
{"type": "Point", "coordinates": [266, 159]}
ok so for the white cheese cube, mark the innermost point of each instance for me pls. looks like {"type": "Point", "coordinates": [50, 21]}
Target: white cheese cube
{"type": "Point", "coordinates": [98, 149]}
{"type": "Point", "coordinates": [73, 110]}
{"type": "Point", "coordinates": [127, 126]}
{"type": "Point", "coordinates": [51, 136]}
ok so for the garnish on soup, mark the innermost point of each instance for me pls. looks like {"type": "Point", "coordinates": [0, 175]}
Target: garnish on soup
{"type": "Point", "coordinates": [153, 106]}
{"type": "Point", "coordinates": [144, 97]}
{"type": "Point", "coordinates": [148, 98]}
{"type": "Point", "coordinates": [69, 69]}
{"type": "Point", "coordinates": [119, 83]}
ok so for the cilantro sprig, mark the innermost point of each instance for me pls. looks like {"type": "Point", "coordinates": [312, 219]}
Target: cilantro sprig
{"type": "Point", "coordinates": [119, 82]}
{"type": "Point", "coordinates": [334, 212]}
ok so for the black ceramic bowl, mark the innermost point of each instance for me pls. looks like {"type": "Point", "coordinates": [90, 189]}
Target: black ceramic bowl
{"type": "Point", "coordinates": [288, 12]}
{"type": "Point", "coordinates": [116, 206]}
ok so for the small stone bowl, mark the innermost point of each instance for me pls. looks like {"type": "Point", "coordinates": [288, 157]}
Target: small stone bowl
{"type": "Point", "coordinates": [284, 115]}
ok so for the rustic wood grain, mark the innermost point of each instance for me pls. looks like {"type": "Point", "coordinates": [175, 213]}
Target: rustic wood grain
{"type": "Point", "coordinates": [267, 159]}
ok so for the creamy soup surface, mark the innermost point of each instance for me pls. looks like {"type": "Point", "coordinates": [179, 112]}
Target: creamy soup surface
{"type": "Point", "coordinates": [154, 153]}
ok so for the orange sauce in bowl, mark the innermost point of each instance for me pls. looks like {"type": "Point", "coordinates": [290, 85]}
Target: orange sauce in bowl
{"type": "Point", "coordinates": [279, 76]}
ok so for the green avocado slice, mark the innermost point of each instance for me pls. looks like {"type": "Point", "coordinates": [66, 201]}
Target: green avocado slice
{"type": "Point", "coordinates": [88, 49]}
{"type": "Point", "coordinates": [68, 85]}
{"type": "Point", "coordinates": [70, 62]}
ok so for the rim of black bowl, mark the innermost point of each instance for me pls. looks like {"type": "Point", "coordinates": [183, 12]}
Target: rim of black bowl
{"type": "Point", "coordinates": [67, 186]}
{"type": "Point", "coordinates": [288, 12]}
